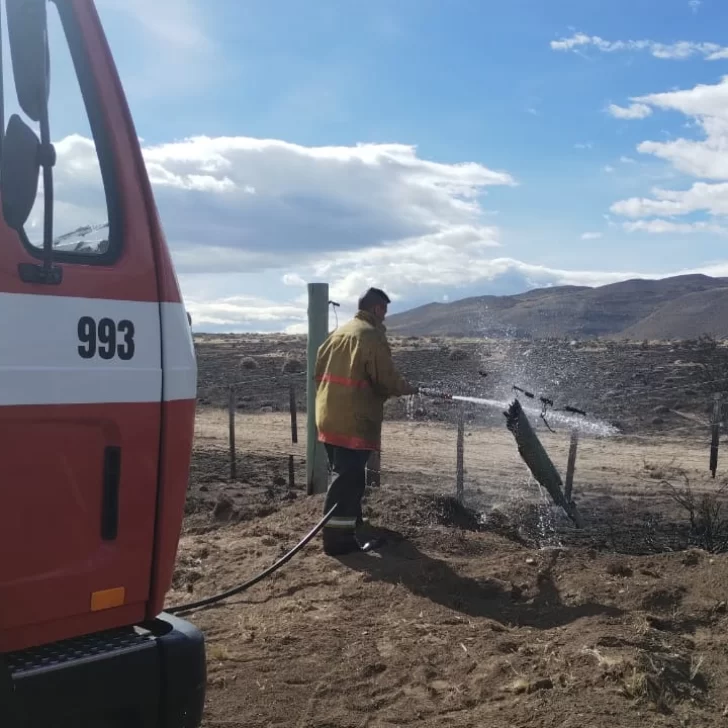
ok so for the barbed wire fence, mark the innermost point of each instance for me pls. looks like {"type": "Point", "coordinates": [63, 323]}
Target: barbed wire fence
{"type": "Point", "coordinates": [252, 395]}
{"type": "Point", "coordinates": [453, 449]}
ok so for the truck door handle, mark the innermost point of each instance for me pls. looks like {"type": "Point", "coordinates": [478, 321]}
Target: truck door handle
{"type": "Point", "coordinates": [110, 494]}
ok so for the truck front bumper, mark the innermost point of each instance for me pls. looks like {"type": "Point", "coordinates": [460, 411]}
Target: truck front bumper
{"type": "Point", "coordinates": [148, 676]}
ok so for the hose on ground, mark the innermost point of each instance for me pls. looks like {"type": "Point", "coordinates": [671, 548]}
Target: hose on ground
{"type": "Point", "coordinates": [254, 580]}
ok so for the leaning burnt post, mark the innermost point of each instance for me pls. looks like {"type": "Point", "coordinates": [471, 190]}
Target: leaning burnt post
{"type": "Point", "coordinates": [538, 461]}
{"type": "Point", "coordinates": [715, 432]}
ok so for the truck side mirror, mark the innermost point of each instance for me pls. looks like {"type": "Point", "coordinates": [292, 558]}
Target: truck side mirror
{"type": "Point", "coordinates": [28, 35]}
{"type": "Point", "coordinates": [19, 172]}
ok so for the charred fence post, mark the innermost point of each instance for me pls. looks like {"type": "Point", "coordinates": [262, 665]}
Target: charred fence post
{"type": "Point", "coordinates": [294, 413]}
{"type": "Point", "coordinates": [232, 406]}
{"type": "Point", "coordinates": [571, 465]}
{"type": "Point", "coordinates": [534, 455]}
{"type": "Point", "coordinates": [374, 470]}
{"type": "Point", "coordinates": [715, 434]}
{"type": "Point", "coordinates": [460, 457]}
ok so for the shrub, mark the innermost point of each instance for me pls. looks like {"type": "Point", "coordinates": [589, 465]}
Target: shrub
{"type": "Point", "coordinates": [706, 513]}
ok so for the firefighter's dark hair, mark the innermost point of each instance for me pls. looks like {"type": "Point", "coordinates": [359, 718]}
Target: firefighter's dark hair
{"type": "Point", "coordinates": [373, 297]}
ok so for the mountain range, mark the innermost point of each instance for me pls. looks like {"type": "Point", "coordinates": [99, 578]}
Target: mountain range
{"type": "Point", "coordinates": [678, 307]}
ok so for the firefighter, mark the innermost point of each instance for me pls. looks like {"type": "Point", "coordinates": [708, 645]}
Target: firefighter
{"type": "Point", "coordinates": [355, 375]}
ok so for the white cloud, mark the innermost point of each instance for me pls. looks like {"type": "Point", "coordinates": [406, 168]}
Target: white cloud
{"type": "Point", "coordinates": [608, 168]}
{"type": "Point", "coordinates": [662, 227]}
{"type": "Point", "coordinates": [293, 279]}
{"type": "Point", "coordinates": [670, 51]}
{"type": "Point", "coordinates": [694, 5]}
{"type": "Point", "coordinates": [591, 236]}
{"type": "Point", "coordinates": [251, 221]}
{"type": "Point", "coordinates": [242, 311]}
{"type": "Point", "coordinates": [627, 160]}
{"type": "Point", "coordinates": [454, 257]}
{"type": "Point", "coordinates": [352, 215]}
{"type": "Point", "coordinates": [700, 197]}
{"type": "Point", "coordinates": [708, 105]}
{"type": "Point", "coordinates": [706, 158]}
{"type": "Point", "coordinates": [634, 111]}
{"type": "Point", "coordinates": [584, 145]}
{"type": "Point", "coordinates": [306, 200]}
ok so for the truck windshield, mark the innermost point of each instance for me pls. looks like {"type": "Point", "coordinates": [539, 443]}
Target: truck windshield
{"type": "Point", "coordinates": [80, 211]}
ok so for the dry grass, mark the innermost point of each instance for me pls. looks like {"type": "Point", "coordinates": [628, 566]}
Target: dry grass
{"type": "Point", "coordinates": [424, 453]}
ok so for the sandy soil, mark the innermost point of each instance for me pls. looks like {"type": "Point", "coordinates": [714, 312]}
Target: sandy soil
{"type": "Point", "coordinates": [499, 615]}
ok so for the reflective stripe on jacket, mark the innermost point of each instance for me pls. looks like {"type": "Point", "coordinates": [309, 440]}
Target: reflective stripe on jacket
{"type": "Point", "coordinates": [355, 376]}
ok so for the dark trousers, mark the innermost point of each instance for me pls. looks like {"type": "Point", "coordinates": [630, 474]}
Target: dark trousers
{"type": "Point", "coordinates": [346, 490]}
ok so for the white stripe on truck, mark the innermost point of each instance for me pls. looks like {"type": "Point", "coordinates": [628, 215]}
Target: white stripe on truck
{"type": "Point", "coordinates": [45, 358]}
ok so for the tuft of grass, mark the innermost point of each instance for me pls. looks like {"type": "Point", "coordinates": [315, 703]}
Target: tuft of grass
{"type": "Point", "coordinates": [292, 366]}
{"type": "Point", "coordinates": [458, 355]}
{"type": "Point", "coordinates": [219, 653]}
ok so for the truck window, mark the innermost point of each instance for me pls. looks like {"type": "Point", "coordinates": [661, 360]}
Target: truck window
{"type": "Point", "coordinates": [82, 232]}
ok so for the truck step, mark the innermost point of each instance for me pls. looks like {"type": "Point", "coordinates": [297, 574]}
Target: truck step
{"type": "Point", "coordinates": [87, 647]}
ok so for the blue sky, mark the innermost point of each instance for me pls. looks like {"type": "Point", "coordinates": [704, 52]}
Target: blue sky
{"type": "Point", "coordinates": [521, 156]}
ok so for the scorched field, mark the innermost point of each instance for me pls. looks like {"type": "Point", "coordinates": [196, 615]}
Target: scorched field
{"type": "Point", "coordinates": [495, 611]}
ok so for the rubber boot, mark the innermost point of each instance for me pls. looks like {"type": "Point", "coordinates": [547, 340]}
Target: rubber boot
{"type": "Point", "coordinates": [338, 543]}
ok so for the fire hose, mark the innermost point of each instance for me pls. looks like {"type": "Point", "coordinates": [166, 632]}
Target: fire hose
{"type": "Point", "coordinates": [208, 601]}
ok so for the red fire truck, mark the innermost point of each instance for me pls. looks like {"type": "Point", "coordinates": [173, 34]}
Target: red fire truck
{"type": "Point", "coordinates": [97, 404]}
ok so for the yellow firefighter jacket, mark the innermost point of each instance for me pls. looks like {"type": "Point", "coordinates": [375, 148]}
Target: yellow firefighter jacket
{"type": "Point", "coordinates": [355, 375]}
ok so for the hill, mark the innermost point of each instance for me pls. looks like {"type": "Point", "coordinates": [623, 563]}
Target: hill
{"type": "Point", "coordinates": [686, 317]}
{"type": "Point", "coordinates": [669, 308]}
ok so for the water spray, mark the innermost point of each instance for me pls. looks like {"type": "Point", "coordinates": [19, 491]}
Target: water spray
{"type": "Point", "coordinates": [529, 446]}
{"type": "Point", "coordinates": [435, 393]}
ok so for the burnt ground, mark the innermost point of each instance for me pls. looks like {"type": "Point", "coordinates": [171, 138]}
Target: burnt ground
{"type": "Point", "coordinates": [640, 387]}
{"type": "Point", "coordinates": [498, 612]}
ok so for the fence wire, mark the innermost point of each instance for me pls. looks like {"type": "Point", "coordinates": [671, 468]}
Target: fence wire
{"type": "Point", "coordinates": [661, 414]}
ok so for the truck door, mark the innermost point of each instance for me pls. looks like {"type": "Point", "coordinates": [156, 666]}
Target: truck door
{"type": "Point", "coordinates": [80, 347]}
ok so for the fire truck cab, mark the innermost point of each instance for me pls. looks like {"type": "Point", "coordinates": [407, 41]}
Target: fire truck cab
{"type": "Point", "coordinates": [97, 402]}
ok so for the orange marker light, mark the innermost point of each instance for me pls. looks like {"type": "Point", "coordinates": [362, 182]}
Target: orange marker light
{"type": "Point", "coordinates": [107, 599]}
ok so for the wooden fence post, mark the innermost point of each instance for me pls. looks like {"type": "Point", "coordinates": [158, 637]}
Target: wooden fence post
{"type": "Point", "coordinates": [232, 406]}
{"type": "Point", "coordinates": [715, 435]}
{"type": "Point", "coordinates": [571, 465]}
{"type": "Point", "coordinates": [294, 413]}
{"type": "Point", "coordinates": [317, 470]}
{"type": "Point", "coordinates": [460, 458]}
{"type": "Point", "coordinates": [374, 470]}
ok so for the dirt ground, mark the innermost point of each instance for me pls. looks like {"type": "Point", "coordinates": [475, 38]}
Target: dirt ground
{"type": "Point", "coordinates": [496, 613]}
